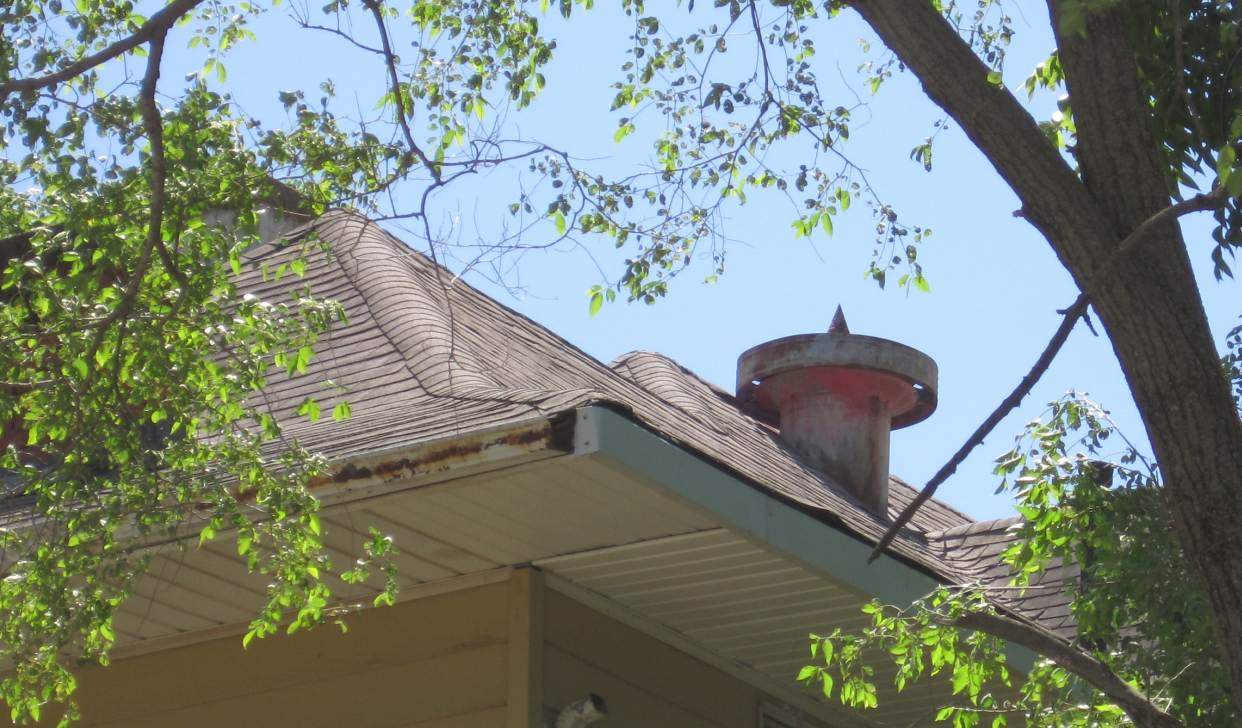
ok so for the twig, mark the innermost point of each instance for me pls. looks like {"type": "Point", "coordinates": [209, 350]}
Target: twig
{"type": "Point", "coordinates": [763, 47]}
{"type": "Point", "coordinates": [15, 388]}
{"type": "Point", "coordinates": [306, 25]}
{"type": "Point", "coordinates": [390, 60]}
{"type": "Point", "coordinates": [167, 259]}
{"type": "Point", "coordinates": [155, 27]}
{"type": "Point", "coordinates": [1072, 314]}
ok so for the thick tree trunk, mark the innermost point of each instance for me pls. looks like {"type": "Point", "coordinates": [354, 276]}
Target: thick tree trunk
{"type": "Point", "coordinates": [1148, 302]}
{"type": "Point", "coordinates": [1155, 319]}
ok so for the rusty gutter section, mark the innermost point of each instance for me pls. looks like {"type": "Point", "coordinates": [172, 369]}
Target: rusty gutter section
{"type": "Point", "coordinates": [447, 458]}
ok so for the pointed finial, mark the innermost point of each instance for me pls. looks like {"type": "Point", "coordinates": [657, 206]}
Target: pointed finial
{"type": "Point", "coordinates": [838, 325]}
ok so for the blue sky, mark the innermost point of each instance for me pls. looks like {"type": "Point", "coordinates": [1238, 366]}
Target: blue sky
{"type": "Point", "coordinates": [996, 285]}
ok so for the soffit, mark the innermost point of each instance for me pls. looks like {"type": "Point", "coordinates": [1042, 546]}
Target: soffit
{"type": "Point", "coordinates": [443, 530]}
{"type": "Point", "coordinates": [744, 607]}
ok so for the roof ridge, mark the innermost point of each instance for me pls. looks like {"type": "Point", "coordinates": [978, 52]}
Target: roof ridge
{"type": "Point", "coordinates": [717, 389]}
{"type": "Point", "coordinates": [432, 364]}
{"type": "Point", "coordinates": [974, 527]}
{"type": "Point", "coordinates": [366, 258]}
{"type": "Point", "coordinates": [940, 503]}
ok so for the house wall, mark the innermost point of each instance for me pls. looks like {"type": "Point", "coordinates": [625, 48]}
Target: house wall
{"type": "Point", "coordinates": [434, 662]}
{"type": "Point", "coordinates": [644, 681]}
{"type": "Point", "coordinates": [509, 654]}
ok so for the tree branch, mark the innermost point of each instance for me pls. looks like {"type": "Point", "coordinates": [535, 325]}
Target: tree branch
{"type": "Point", "coordinates": [1146, 229]}
{"type": "Point", "coordinates": [155, 27]}
{"type": "Point", "coordinates": [16, 388]}
{"type": "Point", "coordinates": [1137, 706]}
{"type": "Point", "coordinates": [1053, 198]}
{"type": "Point", "coordinates": [390, 60]}
{"type": "Point", "coordinates": [1072, 314]}
{"type": "Point", "coordinates": [154, 126]}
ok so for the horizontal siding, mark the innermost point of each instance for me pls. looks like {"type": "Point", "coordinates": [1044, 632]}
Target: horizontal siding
{"type": "Point", "coordinates": [571, 677]}
{"type": "Point", "coordinates": [491, 718]}
{"type": "Point", "coordinates": [436, 662]}
{"type": "Point", "coordinates": [644, 681]}
{"type": "Point", "coordinates": [412, 693]}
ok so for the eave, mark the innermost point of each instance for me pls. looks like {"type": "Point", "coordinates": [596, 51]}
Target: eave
{"type": "Point", "coordinates": [618, 516]}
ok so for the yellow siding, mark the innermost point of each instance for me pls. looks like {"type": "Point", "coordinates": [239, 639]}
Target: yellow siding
{"type": "Point", "coordinates": [455, 660]}
{"type": "Point", "coordinates": [436, 662]}
{"type": "Point", "coordinates": [645, 682]}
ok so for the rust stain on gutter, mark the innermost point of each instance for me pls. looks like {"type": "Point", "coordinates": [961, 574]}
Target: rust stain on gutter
{"type": "Point", "coordinates": [470, 449]}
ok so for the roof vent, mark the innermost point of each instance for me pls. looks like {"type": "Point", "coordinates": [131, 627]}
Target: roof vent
{"type": "Point", "coordinates": [836, 397]}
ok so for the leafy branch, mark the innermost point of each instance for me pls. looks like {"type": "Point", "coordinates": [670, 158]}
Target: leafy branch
{"type": "Point", "coordinates": [1070, 316]}
{"type": "Point", "coordinates": [154, 28]}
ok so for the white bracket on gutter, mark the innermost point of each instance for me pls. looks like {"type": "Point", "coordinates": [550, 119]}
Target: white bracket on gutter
{"type": "Point", "coordinates": [586, 430]}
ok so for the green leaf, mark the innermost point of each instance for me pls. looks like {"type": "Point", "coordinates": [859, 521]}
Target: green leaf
{"type": "Point", "coordinates": [827, 684]}
{"type": "Point", "coordinates": [1224, 163]}
{"type": "Point", "coordinates": [960, 678]}
{"type": "Point", "coordinates": [305, 354]}
{"type": "Point", "coordinates": [309, 409]}
{"type": "Point", "coordinates": [597, 301]}
{"type": "Point", "coordinates": [807, 673]}
{"type": "Point", "coordinates": [342, 411]}
{"type": "Point", "coordinates": [622, 132]}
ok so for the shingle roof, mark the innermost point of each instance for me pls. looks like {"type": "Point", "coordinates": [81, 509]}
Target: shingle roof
{"type": "Point", "coordinates": [974, 551]}
{"type": "Point", "coordinates": [426, 356]}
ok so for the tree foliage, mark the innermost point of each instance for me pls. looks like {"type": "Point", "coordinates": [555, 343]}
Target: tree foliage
{"type": "Point", "coordinates": [1138, 614]}
{"type": "Point", "coordinates": [129, 366]}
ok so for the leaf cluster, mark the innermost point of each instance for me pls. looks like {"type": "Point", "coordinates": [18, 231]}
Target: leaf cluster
{"type": "Point", "coordinates": [1094, 516]}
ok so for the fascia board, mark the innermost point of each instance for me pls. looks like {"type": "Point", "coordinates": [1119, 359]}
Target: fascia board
{"type": "Point", "coordinates": [744, 508]}
{"type": "Point", "coordinates": [384, 472]}
{"type": "Point", "coordinates": [610, 437]}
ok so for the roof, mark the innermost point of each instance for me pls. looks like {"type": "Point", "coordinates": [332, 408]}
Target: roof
{"type": "Point", "coordinates": [974, 551]}
{"type": "Point", "coordinates": [425, 356]}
